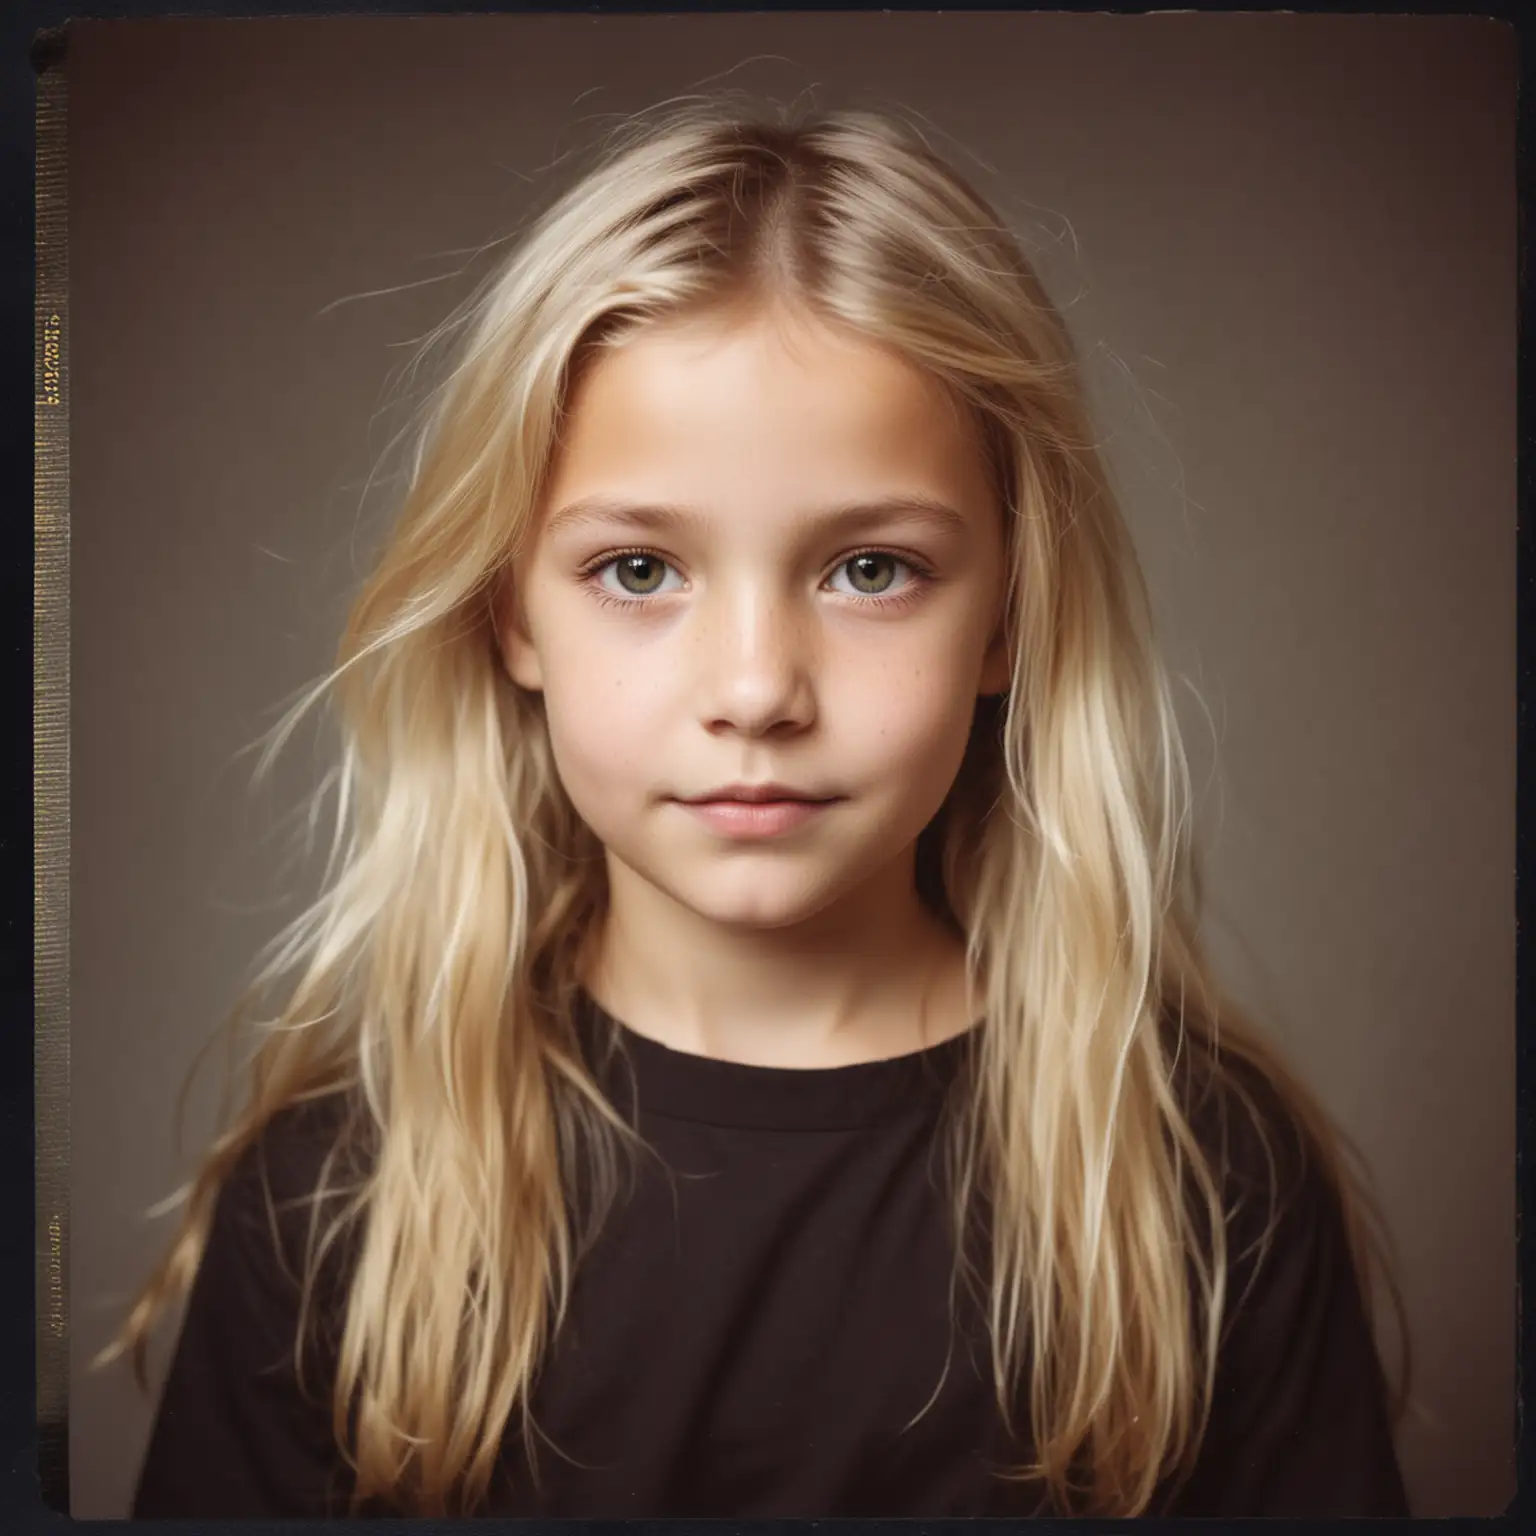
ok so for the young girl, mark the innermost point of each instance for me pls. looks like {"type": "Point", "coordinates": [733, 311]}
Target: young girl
{"type": "Point", "coordinates": [754, 1056]}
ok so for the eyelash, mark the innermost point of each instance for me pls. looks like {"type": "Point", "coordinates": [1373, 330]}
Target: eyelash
{"type": "Point", "coordinates": [921, 575]}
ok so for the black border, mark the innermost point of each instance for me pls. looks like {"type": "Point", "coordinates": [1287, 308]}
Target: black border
{"type": "Point", "coordinates": [29, 1459]}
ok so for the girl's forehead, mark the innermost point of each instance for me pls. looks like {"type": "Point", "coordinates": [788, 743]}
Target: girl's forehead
{"type": "Point", "coordinates": [786, 404]}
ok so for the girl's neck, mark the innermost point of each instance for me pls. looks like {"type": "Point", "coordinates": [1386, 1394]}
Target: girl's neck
{"type": "Point", "coordinates": [876, 975]}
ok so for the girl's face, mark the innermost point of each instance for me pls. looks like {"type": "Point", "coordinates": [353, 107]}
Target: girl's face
{"type": "Point", "coordinates": [767, 551]}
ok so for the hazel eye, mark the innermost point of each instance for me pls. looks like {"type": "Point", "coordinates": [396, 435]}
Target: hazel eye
{"type": "Point", "coordinates": [638, 575]}
{"type": "Point", "coordinates": [873, 573]}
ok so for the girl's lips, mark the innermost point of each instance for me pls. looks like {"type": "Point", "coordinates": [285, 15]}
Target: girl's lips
{"type": "Point", "coordinates": [755, 819]}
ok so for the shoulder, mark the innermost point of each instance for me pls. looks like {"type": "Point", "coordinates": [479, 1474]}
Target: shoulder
{"type": "Point", "coordinates": [1251, 1128]}
{"type": "Point", "coordinates": [1288, 1203]}
{"type": "Point", "coordinates": [296, 1147]}
{"type": "Point", "coordinates": [286, 1189]}
{"type": "Point", "coordinates": [305, 1150]}
{"type": "Point", "coordinates": [1299, 1421]}
{"type": "Point", "coordinates": [244, 1425]}
{"type": "Point", "coordinates": [1284, 1189]}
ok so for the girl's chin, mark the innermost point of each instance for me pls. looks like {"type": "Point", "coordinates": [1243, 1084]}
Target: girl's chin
{"type": "Point", "coordinates": [750, 902]}
{"type": "Point", "coordinates": [759, 888]}
{"type": "Point", "coordinates": [755, 917]}
{"type": "Point", "coordinates": [844, 900]}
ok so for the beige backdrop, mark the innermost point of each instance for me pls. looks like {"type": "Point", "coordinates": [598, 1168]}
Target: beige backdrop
{"type": "Point", "coordinates": [1287, 247]}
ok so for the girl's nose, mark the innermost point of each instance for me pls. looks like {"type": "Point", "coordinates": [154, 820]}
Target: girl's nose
{"type": "Point", "coordinates": [755, 671]}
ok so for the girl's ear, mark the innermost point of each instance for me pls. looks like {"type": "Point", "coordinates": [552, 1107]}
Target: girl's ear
{"type": "Point", "coordinates": [996, 664]}
{"type": "Point", "coordinates": [518, 653]}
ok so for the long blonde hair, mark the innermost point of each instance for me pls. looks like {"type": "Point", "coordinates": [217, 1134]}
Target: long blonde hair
{"type": "Point", "coordinates": [434, 977]}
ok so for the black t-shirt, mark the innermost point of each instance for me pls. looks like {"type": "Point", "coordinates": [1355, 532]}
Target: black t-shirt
{"type": "Point", "coordinates": [757, 1334]}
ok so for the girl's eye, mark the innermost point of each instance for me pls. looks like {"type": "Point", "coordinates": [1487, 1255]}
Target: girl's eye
{"type": "Point", "coordinates": [873, 573]}
{"type": "Point", "coordinates": [638, 574]}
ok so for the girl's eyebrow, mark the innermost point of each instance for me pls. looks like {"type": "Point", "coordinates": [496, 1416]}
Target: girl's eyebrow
{"type": "Point", "coordinates": [848, 517]}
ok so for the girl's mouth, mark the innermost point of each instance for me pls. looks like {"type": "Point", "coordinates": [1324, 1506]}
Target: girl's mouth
{"type": "Point", "coordinates": [755, 819]}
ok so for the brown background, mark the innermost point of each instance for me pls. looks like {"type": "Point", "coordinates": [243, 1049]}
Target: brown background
{"type": "Point", "coordinates": [1287, 248]}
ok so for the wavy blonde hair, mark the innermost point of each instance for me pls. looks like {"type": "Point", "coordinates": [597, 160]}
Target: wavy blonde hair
{"type": "Point", "coordinates": [435, 976]}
